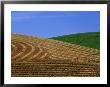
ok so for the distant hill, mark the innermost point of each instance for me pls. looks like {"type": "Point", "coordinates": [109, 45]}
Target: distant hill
{"type": "Point", "coordinates": [89, 39]}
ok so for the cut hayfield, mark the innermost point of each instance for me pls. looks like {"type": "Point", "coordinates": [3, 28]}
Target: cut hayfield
{"type": "Point", "coordinates": [39, 57]}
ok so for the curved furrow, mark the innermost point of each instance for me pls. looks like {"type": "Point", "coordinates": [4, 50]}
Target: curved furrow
{"type": "Point", "coordinates": [30, 55]}
{"type": "Point", "coordinates": [13, 49]}
{"type": "Point", "coordinates": [34, 53]}
{"type": "Point", "coordinates": [27, 51]}
{"type": "Point", "coordinates": [20, 52]}
{"type": "Point", "coordinates": [43, 56]}
{"type": "Point", "coordinates": [19, 48]}
{"type": "Point", "coordinates": [31, 51]}
{"type": "Point", "coordinates": [37, 55]}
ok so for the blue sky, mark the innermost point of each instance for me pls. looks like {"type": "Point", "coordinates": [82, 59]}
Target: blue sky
{"type": "Point", "coordinates": [54, 23]}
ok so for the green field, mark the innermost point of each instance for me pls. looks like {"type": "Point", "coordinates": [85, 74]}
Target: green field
{"type": "Point", "coordinates": [89, 39]}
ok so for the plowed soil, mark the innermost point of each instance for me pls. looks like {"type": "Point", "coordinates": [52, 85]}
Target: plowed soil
{"type": "Point", "coordinates": [38, 57]}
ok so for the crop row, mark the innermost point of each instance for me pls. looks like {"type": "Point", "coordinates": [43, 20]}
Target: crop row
{"type": "Point", "coordinates": [29, 69]}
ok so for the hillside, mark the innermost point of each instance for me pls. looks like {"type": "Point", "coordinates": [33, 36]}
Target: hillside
{"type": "Point", "coordinates": [90, 39]}
{"type": "Point", "coordinates": [34, 56]}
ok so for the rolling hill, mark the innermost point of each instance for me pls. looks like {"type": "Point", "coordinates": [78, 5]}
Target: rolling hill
{"type": "Point", "coordinates": [40, 57]}
{"type": "Point", "coordinates": [90, 39]}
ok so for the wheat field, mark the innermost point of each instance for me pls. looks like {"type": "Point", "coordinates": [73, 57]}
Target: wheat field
{"type": "Point", "coordinates": [39, 57]}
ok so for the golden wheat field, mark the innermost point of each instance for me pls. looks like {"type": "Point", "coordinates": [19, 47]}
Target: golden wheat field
{"type": "Point", "coordinates": [38, 57]}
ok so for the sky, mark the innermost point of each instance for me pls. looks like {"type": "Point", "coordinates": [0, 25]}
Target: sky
{"type": "Point", "coordinates": [49, 24]}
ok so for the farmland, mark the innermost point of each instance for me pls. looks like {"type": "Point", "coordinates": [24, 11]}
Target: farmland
{"type": "Point", "coordinates": [89, 39]}
{"type": "Point", "coordinates": [36, 57]}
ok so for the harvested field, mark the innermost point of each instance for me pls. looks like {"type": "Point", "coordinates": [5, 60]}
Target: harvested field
{"type": "Point", "coordinates": [38, 57]}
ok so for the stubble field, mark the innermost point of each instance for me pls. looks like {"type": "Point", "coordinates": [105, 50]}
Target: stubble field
{"type": "Point", "coordinates": [38, 57]}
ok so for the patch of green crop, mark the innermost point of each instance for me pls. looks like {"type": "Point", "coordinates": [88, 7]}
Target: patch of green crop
{"type": "Point", "coordinates": [90, 39]}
